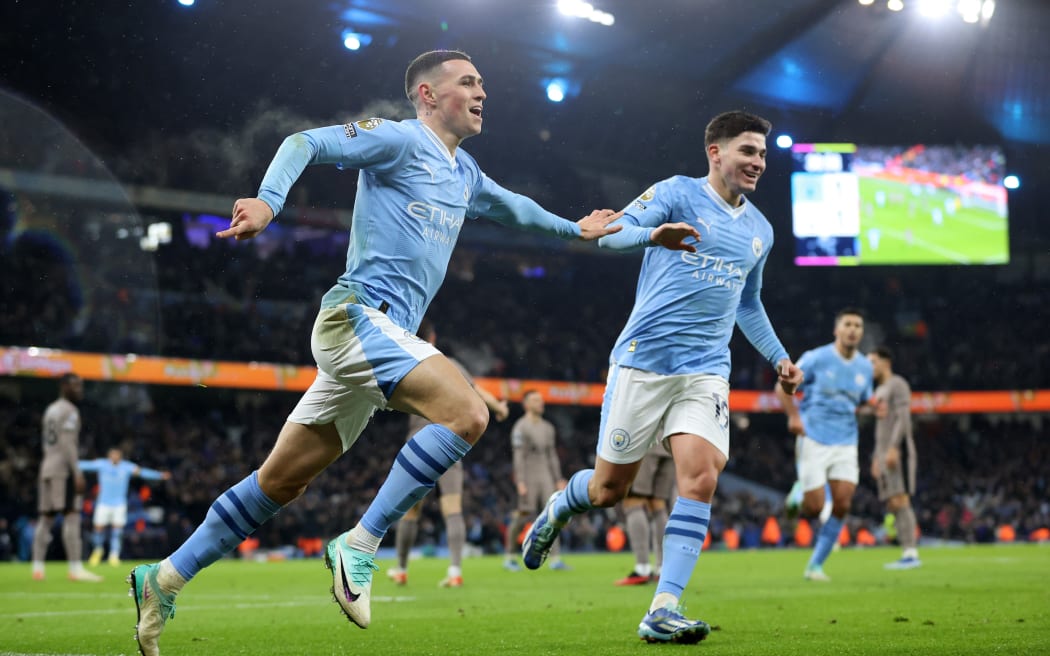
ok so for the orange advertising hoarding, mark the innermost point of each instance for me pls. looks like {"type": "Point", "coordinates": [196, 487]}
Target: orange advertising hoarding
{"type": "Point", "coordinates": [151, 370]}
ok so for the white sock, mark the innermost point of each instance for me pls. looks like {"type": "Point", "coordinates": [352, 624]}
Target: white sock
{"type": "Point", "coordinates": [662, 600]}
{"type": "Point", "coordinates": [168, 578]}
{"type": "Point", "coordinates": [645, 569]}
{"type": "Point", "coordinates": [76, 567]}
{"type": "Point", "coordinates": [359, 538]}
{"type": "Point", "coordinates": [453, 570]}
{"type": "Point", "coordinates": [911, 553]}
{"type": "Point", "coordinates": [38, 566]}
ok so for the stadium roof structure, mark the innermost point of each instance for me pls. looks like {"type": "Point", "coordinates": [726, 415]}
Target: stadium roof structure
{"type": "Point", "coordinates": [638, 91]}
{"type": "Point", "coordinates": [667, 60]}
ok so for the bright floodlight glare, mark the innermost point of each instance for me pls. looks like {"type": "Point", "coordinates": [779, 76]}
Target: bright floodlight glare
{"type": "Point", "coordinates": [555, 91]}
{"type": "Point", "coordinates": [895, 5]}
{"type": "Point", "coordinates": [1012, 182]}
{"type": "Point", "coordinates": [934, 8]}
{"type": "Point", "coordinates": [866, 2]}
{"type": "Point", "coordinates": [987, 9]}
{"type": "Point", "coordinates": [351, 42]}
{"type": "Point", "coordinates": [186, 3]}
{"type": "Point", "coordinates": [576, 8]}
{"type": "Point", "coordinates": [784, 141]}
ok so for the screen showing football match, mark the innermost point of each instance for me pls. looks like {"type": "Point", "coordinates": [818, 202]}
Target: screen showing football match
{"type": "Point", "coordinates": [861, 205]}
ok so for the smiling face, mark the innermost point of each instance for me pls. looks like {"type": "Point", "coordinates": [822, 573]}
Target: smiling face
{"type": "Point", "coordinates": [451, 97]}
{"type": "Point", "coordinates": [737, 164]}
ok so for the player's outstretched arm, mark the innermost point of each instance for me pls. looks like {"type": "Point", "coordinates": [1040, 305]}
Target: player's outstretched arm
{"type": "Point", "coordinates": [673, 236]}
{"type": "Point", "coordinates": [250, 217]}
{"type": "Point", "coordinates": [596, 224]}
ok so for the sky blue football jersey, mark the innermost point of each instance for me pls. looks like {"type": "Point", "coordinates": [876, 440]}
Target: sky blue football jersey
{"type": "Point", "coordinates": [686, 304]}
{"type": "Point", "coordinates": [113, 479]}
{"type": "Point", "coordinates": [412, 199]}
{"type": "Point", "coordinates": [832, 389]}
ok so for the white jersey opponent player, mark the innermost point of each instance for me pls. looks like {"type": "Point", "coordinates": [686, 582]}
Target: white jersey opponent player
{"type": "Point", "coordinates": [111, 506]}
{"type": "Point", "coordinates": [669, 373]}
{"type": "Point", "coordinates": [415, 189]}
{"type": "Point", "coordinates": [838, 380]}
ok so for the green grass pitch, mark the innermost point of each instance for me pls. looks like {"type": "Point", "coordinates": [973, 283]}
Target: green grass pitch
{"type": "Point", "coordinates": [969, 600]}
{"type": "Point", "coordinates": [909, 235]}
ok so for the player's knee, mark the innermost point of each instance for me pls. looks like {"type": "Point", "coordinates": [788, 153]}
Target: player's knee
{"type": "Point", "coordinates": [700, 486]}
{"type": "Point", "coordinates": [812, 508]}
{"type": "Point", "coordinates": [281, 489]}
{"type": "Point", "coordinates": [607, 494]}
{"type": "Point", "coordinates": [471, 421]}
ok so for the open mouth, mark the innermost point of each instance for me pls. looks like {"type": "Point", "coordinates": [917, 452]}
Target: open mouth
{"type": "Point", "coordinates": [476, 110]}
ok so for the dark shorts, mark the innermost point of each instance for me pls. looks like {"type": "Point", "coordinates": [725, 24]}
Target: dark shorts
{"type": "Point", "coordinates": [58, 495]}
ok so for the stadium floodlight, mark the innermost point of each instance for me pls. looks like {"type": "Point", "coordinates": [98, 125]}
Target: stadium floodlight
{"type": "Point", "coordinates": [581, 9]}
{"type": "Point", "coordinates": [987, 9]}
{"type": "Point", "coordinates": [970, 10]}
{"type": "Point", "coordinates": [785, 141]}
{"type": "Point", "coordinates": [556, 91]}
{"type": "Point", "coordinates": [895, 5]}
{"type": "Point", "coordinates": [355, 40]}
{"type": "Point", "coordinates": [186, 3]}
{"type": "Point", "coordinates": [866, 2]}
{"type": "Point", "coordinates": [1012, 182]}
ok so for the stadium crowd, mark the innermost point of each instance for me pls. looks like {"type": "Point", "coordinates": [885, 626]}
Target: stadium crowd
{"type": "Point", "coordinates": [503, 312]}
{"type": "Point", "coordinates": [976, 473]}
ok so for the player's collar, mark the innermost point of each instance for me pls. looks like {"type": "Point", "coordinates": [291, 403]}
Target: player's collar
{"type": "Point", "coordinates": [439, 143]}
{"type": "Point", "coordinates": [734, 212]}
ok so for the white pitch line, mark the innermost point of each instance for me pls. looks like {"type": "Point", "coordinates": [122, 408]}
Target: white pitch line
{"type": "Point", "coordinates": [182, 609]}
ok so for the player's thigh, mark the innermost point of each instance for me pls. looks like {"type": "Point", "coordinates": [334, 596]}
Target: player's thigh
{"type": "Point", "coordinates": [436, 390]}
{"type": "Point", "coordinates": [301, 453]}
{"type": "Point", "coordinates": [813, 462]}
{"type": "Point", "coordinates": [633, 410]}
{"type": "Point", "coordinates": [698, 462]}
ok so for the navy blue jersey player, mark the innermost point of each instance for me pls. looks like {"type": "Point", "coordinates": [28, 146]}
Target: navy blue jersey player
{"type": "Point", "coordinates": [415, 189]}
{"type": "Point", "coordinates": [669, 370]}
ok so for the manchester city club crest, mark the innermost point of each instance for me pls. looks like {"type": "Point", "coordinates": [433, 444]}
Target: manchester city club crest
{"type": "Point", "coordinates": [619, 439]}
{"type": "Point", "coordinates": [756, 247]}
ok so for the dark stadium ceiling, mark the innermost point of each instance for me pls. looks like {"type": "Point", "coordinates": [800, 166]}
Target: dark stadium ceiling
{"type": "Point", "coordinates": [822, 69]}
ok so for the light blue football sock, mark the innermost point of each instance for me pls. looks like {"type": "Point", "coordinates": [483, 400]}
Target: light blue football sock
{"type": "Point", "coordinates": [232, 517]}
{"type": "Point", "coordinates": [115, 536]}
{"type": "Point", "coordinates": [829, 535]}
{"type": "Point", "coordinates": [683, 539]}
{"type": "Point", "coordinates": [575, 500]}
{"type": "Point", "coordinates": [417, 467]}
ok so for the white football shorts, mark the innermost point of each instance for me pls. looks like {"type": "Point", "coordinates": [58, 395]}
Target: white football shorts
{"type": "Point", "coordinates": [361, 357]}
{"type": "Point", "coordinates": [641, 407]}
{"type": "Point", "coordinates": [819, 463]}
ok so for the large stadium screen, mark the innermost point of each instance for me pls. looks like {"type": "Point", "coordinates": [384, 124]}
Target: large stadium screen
{"type": "Point", "coordinates": [859, 205]}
